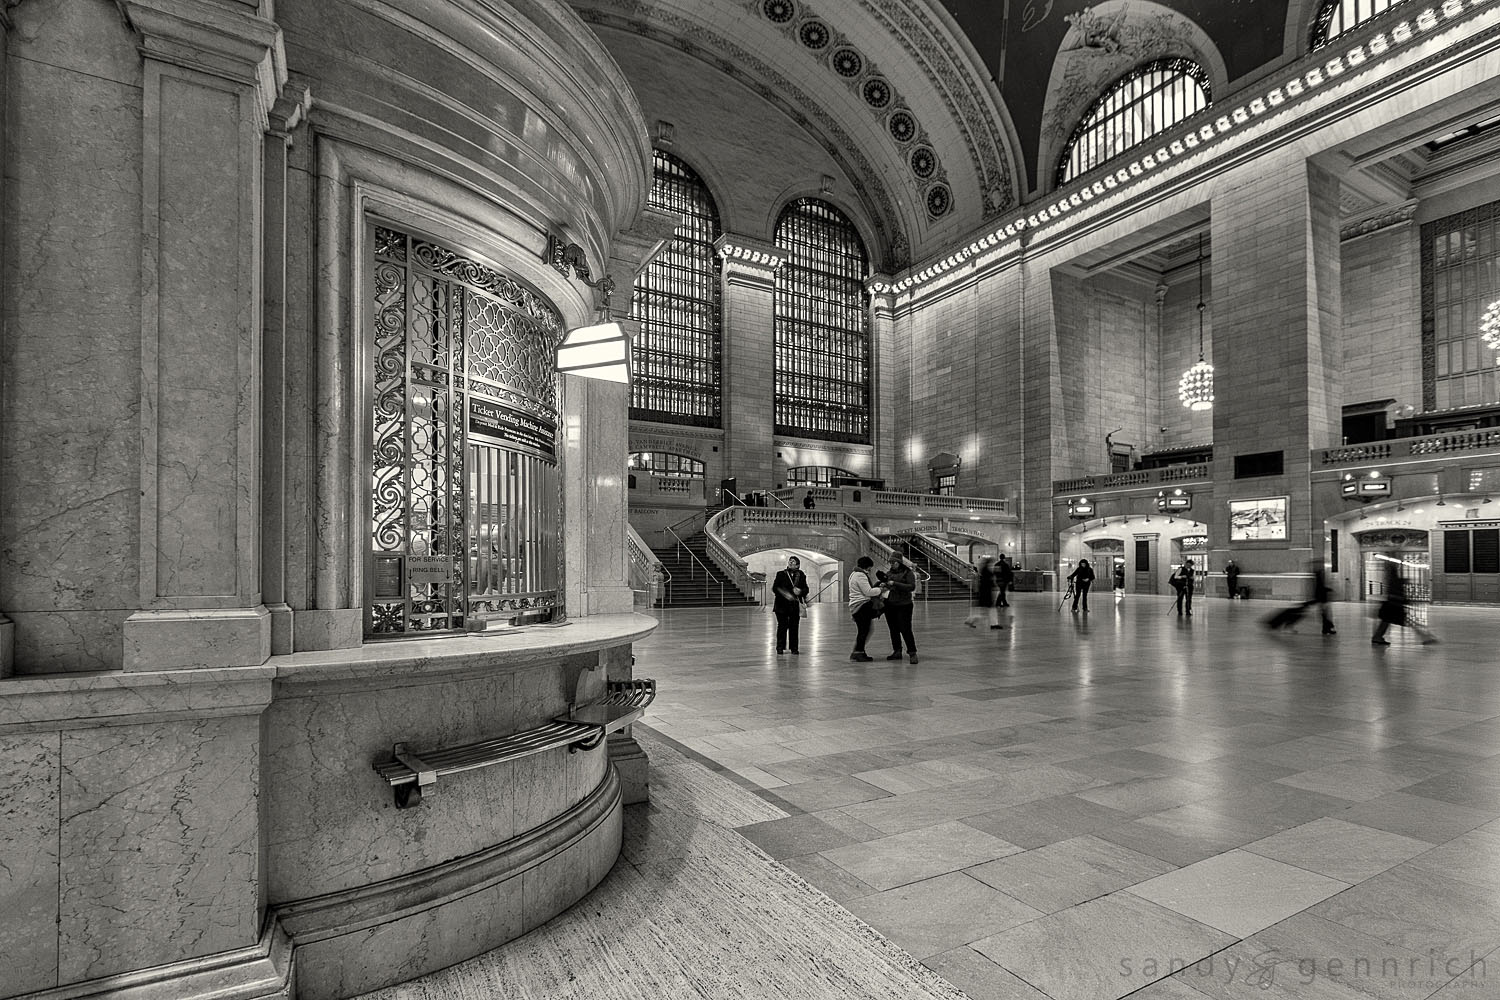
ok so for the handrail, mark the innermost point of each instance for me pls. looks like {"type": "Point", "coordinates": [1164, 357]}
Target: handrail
{"type": "Point", "coordinates": [939, 556]}
{"type": "Point", "coordinates": [730, 561]}
{"type": "Point", "coordinates": [644, 561]}
{"type": "Point", "coordinates": [686, 520]}
{"type": "Point", "coordinates": [699, 563]}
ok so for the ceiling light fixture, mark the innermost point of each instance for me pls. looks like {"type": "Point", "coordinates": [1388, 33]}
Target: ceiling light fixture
{"type": "Point", "coordinates": [1196, 387]}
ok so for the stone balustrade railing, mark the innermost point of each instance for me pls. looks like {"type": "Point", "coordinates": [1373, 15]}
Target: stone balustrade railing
{"type": "Point", "coordinates": [1452, 443]}
{"type": "Point", "coordinates": [876, 501]}
{"type": "Point", "coordinates": [939, 556]}
{"type": "Point", "coordinates": [1134, 480]}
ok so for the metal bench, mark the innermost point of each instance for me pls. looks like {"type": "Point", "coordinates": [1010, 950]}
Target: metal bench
{"type": "Point", "coordinates": [413, 774]}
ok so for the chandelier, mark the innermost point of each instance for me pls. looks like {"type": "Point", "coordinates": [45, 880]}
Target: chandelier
{"type": "Point", "coordinates": [1196, 387]}
{"type": "Point", "coordinates": [1489, 326]}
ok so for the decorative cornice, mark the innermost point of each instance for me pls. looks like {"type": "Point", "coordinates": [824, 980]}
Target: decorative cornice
{"type": "Point", "coordinates": [1215, 126]}
{"type": "Point", "coordinates": [750, 253]}
{"type": "Point", "coordinates": [1384, 218]}
{"type": "Point", "coordinates": [737, 62]}
{"type": "Point", "coordinates": [225, 43]}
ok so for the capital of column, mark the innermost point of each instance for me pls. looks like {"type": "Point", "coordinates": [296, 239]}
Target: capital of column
{"type": "Point", "coordinates": [748, 257]}
{"type": "Point", "coordinates": [212, 39]}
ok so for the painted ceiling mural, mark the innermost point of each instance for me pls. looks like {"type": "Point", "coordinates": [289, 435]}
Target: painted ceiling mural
{"type": "Point", "coordinates": [1021, 40]}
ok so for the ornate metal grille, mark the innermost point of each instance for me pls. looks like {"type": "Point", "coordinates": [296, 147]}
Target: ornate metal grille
{"type": "Point", "coordinates": [675, 358]}
{"type": "Point", "coordinates": [465, 496]}
{"type": "Point", "coordinates": [1460, 278]}
{"type": "Point", "coordinates": [816, 475]}
{"type": "Point", "coordinates": [822, 326]}
{"type": "Point", "coordinates": [1338, 16]}
{"type": "Point", "coordinates": [665, 464]}
{"type": "Point", "coordinates": [1146, 101]}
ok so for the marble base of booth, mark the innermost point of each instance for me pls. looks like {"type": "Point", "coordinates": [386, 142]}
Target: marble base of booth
{"type": "Point", "coordinates": [263, 971]}
{"type": "Point", "coordinates": [634, 768]}
{"type": "Point", "coordinates": [366, 938]}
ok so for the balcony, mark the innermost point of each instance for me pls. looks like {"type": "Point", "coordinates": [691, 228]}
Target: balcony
{"type": "Point", "coordinates": [1140, 479]}
{"type": "Point", "coordinates": [1485, 440]}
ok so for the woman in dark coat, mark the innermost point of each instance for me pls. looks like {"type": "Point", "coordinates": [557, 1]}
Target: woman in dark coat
{"type": "Point", "coordinates": [790, 588]}
{"type": "Point", "coordinates": [1082, 579]}
{"type": "Point", "coordinates": [900, 584]}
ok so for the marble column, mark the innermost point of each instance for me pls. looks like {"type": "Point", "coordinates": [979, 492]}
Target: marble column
{"type": "Point", "coordinates": [7, 627]}
{"type": "Point", "coordinates": [883, 391]}
{"type": "Point", "coordinates": [210, 76]}
{"type": "Point", "coordinates": [1276, 341]}
{"type": "Point", "coordinates": [748, 380]}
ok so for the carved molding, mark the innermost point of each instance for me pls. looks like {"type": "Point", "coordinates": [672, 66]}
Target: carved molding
{"type": "Point", "coordinates": [1384, 218]}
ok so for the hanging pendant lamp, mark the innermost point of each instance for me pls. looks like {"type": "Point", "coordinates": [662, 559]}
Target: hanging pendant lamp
{"type": "Point", "coordinates": [1196, 387]}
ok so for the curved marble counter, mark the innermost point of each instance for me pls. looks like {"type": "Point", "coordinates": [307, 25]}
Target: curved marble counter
{"type": "Point", "coordinates": [221, 794]}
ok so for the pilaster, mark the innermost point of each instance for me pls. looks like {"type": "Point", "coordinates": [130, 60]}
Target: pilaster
{"type": "Point", "coordinates": [285, 116]}
{"type": "Point", "coordinates": [883, 375]}
{"type": "Point", "coordinates": [7, 627]}
{"type": "Point", "coordinates": [1277, 343]}
{"type": "Point", "coordinates": [210, 77]}
{"type": "Point", "coordinates": [749, 372]}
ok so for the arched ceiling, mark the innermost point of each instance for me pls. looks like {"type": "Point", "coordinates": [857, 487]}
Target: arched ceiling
{"type": "Point", "coordinates": [891, 89]}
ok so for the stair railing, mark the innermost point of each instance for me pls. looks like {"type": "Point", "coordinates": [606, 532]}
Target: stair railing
{"type": "Point", "coordinates": [939, 556]}
{"type": "Point", "coordinates": [698, 564]}
{"type": "Point", "coordinates": [881, 552]}
{"type": "Point", "coordinates": [733, 565]}
{"type": "Point", "coordinates": [655, 579]}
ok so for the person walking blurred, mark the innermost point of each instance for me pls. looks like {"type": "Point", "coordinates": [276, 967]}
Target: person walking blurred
{"type": "Point", "coordinates": [866, 603]}
{"type": "Point", "coordinates": [1395, 609]}
{"type": "Point", "coordinates": [901, 584]}
{"type": "Point", "coordinates": [982, 600]}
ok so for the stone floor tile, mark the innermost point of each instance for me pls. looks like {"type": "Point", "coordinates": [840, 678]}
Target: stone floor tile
{"type": "Point", "coordinates": [1067, 873]}
{"type": "Point", "coordinates": [829, 793]}
{"type": "Point", "coordinates": [1416, 817]}
{"type": "Point", "coordinates": [1422, 912]}
{"type": "Point", "coordinates": [1103, 949]}
{"type": "Point", "coordinates": [919, 854]}
{"type": "Point", "coordinates": [940, 913]}
{"type": "Point", "coordinates": [1238, 892]}
{"type": "Point", "coordinates": [1046, 821]}
{"type": "Point", "coordinates": [1345, 851]}
{"type": "Point", "coordinates": [979, 978]}
{"type": "Point", "coordinates": [1148, 795]}
{"type": "Point", "coordinates": [1350, 779]}
{"type": "Point", "coordinates": [794, 835]}
{"type": "Point", "coordinates": [829, 877]}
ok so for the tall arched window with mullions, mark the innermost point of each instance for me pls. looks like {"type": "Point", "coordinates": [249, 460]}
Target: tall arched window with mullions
{"type": "Point", "coordinates": [1144, 102]}
{"type": "Point", "coordinates": [822, 326]}
{"type": "Point", "coordinates": [675, 357]}
{"type": "Point", "coordinates": [1336, 17]}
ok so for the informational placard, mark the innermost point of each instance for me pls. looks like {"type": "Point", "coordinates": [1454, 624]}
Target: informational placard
{"type": "Point", "coordinates": [387, 578]}
{"type": "Point", "coordinates": [1260, 520]}
{"type": "Point", "coordinates": [508, 425]}
{"type": "Point", "coordinates": [429, 569]}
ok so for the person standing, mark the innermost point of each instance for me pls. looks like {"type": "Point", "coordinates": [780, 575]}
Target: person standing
{"type": "Point", "coordinates": [1005, 577]}
{"type": "Point", "coordinates": [863, 595]}
{"type": "Point", "coordinates": [808, 503]}
{"type": "Point", "coordinates": [1232, 578]}
{"type": "Point", "coordinates": [1119, 580]}
{"type": "Point", "coordinates": [901, 584]}
{"type": "Point", "coordinates": [790, 588]}
{"type": "Point", "coordinates": [1081, 578]}
{"type": "Point", "coordinates": [1182, 582]}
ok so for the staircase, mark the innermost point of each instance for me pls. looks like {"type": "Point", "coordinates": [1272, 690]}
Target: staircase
{"type": "Point", "coordinates": [691, 586]}
{"type": "Point", "coordinates": [941, 586]}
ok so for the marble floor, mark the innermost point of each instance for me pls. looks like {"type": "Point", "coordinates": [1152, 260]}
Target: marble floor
{"type": "Point", "coordinates": [1075, 807]}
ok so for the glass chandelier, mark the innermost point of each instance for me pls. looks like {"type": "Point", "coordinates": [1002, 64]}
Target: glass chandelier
{"type": "Point", "coordinates": [1489, 326]}
{"type": "Point", "coordinates": [1196, 387]}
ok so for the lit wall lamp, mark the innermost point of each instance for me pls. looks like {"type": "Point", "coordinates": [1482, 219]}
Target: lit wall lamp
{"type": "Point", "coordinates": [602, 350]}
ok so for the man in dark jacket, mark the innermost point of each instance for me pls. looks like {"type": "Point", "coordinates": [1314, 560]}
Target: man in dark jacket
{"type": "Point", "coordinates": [1005, 578]}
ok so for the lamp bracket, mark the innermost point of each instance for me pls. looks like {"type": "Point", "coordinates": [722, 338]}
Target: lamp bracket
{"type": "Point", "coordinates": [565, 257]}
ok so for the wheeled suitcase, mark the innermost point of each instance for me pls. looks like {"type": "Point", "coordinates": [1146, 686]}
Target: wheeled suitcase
{"type": "Point", "coordinates": [1287, 617]}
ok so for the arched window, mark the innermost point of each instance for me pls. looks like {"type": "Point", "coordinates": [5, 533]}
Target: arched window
{"type": "Point", "coordinates": [1144, 102]}
{"type": "Point", "coordinates": [1338, 16]}
{"type": "Point", "coordinates": [675, 357]}
{"type": "Point", "coordinates": [816, 475]}
{"type": "Point", "coordinates": [822, 326]}
{"type": "Point", "coordinates": [665, 464]}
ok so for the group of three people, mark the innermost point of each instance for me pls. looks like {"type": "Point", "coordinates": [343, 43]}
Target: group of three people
{"type": "Point", "coordinates": [871, 594]}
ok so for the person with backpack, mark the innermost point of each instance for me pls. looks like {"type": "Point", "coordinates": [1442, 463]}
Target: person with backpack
{"type": "Point", "coordinates": [1081, 579]}
{"type": "Point", "coordinates": [1182, 582]}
